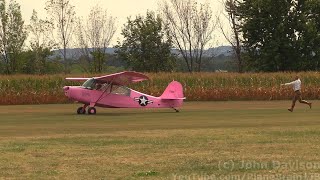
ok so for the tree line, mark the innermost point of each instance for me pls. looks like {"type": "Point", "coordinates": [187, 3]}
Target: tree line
{"type": "Point", "coordinates": [276, 35]}
{"type": "Point", "coordinates": [266, 35]}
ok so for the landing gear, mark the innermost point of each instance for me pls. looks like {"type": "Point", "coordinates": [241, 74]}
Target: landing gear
{"type": "Point", "coordinates": [81, 110]}
{"type": "Point", "coordinates": [175, 109]}
{"type": "Point", "coordinates": [92, 110]}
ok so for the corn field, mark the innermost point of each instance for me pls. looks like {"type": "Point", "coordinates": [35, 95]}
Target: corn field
{"type": "Point", "coordinates": [31, 89]}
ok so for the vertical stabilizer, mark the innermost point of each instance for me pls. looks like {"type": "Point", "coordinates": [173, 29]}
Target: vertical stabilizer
{"type": "Point", "coordinates": [173, 91]}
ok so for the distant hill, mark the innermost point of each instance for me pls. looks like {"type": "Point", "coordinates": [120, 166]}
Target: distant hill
{"type": "Point", "coordinates": [74, 53]}
{"type": "Point", "coordinates": [219, 51]}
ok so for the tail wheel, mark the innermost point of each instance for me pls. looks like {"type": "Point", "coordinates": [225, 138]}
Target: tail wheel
{"type": "Point", "coordinates": [175, 109]}
{"type": "Point", "coordinates": [81, 110]}
{"type": "Point", "coordinates": [92, 110]}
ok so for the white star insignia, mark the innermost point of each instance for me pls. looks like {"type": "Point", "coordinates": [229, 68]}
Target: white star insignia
{"type": "Point", "coordinates": [143, 101]}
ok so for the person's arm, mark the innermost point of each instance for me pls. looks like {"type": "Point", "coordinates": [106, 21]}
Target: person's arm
{"type": "Point", "coordinates": [290, 83]}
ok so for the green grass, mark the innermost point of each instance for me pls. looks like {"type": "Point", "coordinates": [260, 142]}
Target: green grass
{"type": "Point", "coordinates": [205, 139]}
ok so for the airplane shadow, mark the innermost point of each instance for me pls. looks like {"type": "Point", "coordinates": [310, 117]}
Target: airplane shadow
{"type": "Point", "coordinates": [122, 113]}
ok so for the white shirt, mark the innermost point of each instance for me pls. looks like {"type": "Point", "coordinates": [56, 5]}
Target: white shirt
{"type": "Point", "coordinates": [296, 85]}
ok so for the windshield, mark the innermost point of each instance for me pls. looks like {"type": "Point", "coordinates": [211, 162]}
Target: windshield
{"type": "Point", "coordinates": [89, 84]}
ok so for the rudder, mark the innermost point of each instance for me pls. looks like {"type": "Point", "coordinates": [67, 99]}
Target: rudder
{"type": "Point", "coordinates": [173, 91]}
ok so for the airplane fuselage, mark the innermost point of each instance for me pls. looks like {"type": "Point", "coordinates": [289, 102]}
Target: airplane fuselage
{"type": "Point", "coordinates": [124, 98]}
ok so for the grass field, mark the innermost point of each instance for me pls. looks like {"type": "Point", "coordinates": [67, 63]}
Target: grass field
{"type": "Point", "coordinates": [230, 140]}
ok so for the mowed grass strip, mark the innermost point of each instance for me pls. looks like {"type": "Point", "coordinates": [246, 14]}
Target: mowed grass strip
{"type": "Point", "coordinates": [205, 138]}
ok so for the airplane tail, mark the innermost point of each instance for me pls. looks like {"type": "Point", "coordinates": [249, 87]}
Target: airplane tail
{"type": "Point", "coordinates": [174, 91]}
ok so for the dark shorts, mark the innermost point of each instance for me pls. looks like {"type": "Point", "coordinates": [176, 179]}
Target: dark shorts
{"type": "Point", "coordinates": [297, 95]}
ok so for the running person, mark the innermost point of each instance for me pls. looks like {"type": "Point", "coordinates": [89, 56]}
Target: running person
{"type": "Point", "coordinates": [296, 84]}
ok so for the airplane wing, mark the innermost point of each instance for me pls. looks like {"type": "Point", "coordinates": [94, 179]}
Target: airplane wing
{"type": "Point", "coordinates": [122, 78]}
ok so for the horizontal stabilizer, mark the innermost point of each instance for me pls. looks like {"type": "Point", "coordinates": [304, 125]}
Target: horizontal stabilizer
{"type": "Point", "coordinates": [77, 79]}
{"type": "Point", "coordinates": [164, 98]}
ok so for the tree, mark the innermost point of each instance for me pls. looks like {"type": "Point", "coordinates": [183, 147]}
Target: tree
{"type": "Point", "coordinates": [30, 65]}
{"type": "Point", "coordinates": [307, 37]}
{"type": "Point", "coordinates": [94, 37]}
{"type": "Point", "coordinates": [40, 45]}
{"type": "Point", "coordinates": [191, 27]}
{"type": "Point", "coordinates": [234, 23]}
{"type": "Point", "coordinates": [147, 44]}
{"type": "Point", "coordinates": [286, 39]}
{"type": "Point", "coordinates": [268, 36]}
{"type": "Point", "coordinates": [63, 16]}
{"type": "Point", "coordinates": [12, 35]}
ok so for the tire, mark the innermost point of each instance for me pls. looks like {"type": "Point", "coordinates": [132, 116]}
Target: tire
{"type": "Point", "coordinates": [92, 110]}
{"type": "Point", "coordinates": [81, 110]}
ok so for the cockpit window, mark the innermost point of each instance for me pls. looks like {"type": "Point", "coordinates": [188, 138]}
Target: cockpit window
{"type": "Point", "coordinates": [89, 84]}
{"type": "Point", "coordinates": [92, 84]}
{"type": "Point", "coordinates": [120, 90]}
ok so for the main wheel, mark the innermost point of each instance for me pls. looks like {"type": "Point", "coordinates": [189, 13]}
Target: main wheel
{"type": "Point", "coordinates": [81, 110]}
{"type": "Point", "coordinates": [92, 110]}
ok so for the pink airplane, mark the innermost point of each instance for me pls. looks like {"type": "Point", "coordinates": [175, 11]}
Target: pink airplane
{"type": "Point", "coordinates": [110, 91]}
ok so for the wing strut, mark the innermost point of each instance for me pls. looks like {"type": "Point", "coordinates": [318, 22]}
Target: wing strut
{"type": "Point", "coordinates": [104, 92]}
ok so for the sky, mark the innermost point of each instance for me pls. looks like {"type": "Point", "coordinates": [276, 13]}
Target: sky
{"type": "Point", "coordinates": [121, 9]}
